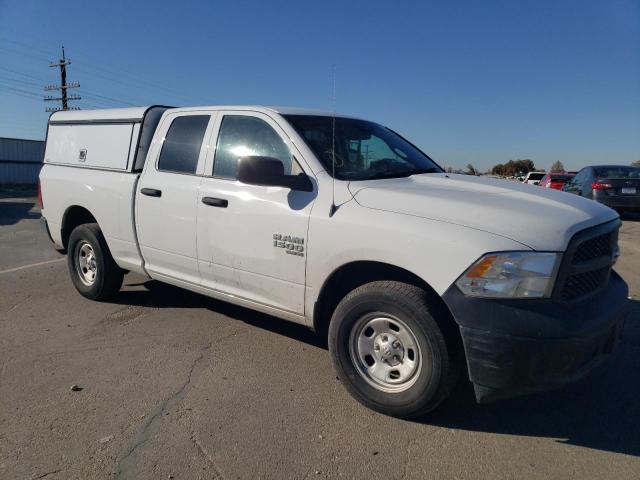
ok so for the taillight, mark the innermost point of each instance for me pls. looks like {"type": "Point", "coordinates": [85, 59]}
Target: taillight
{"type": "Point", "coordinates": [40, 205]}
{"type": "Point", "coordinates": [601, 186]}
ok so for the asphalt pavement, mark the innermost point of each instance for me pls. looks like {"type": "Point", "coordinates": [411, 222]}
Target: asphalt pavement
{"type": "Point", "coordinates": [170, 384]}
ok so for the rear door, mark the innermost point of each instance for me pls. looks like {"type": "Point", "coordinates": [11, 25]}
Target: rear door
{"type": "Point", "coordinates": [167, 196]}
{"type": "Point", "coordinates": [252, 239]}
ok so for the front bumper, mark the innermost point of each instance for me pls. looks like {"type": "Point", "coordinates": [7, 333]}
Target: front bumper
{"type": "Point", "coordinates": [515, 347]}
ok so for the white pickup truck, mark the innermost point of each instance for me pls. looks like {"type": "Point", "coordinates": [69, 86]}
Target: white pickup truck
{"type": "Point", "coordinates": [342, 225]}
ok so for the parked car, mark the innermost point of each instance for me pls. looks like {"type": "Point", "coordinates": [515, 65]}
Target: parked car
{"type": "Point", "coordinates": [533, 178]}
{"type": "Point", "coordinates": [555, 180]}
{"type": "Point", "coordinates": [617, 186]}
{"type": "Point", "coordinates": [412, 275]}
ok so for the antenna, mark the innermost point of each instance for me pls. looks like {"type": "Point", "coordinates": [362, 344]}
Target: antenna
{"type": "Point", "coordinates": [333, 148]}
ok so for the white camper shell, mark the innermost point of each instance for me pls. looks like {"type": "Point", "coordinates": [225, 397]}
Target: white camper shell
{"type": "Point", "coordinates": [111, 139]}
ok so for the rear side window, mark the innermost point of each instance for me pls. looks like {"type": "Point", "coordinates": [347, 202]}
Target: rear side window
{"type": "Point", "coordinates": [182, 144]}
{"type": "Point", "coordinates": [242, 136]}
{"type": "Point", "coordinates": [581, 176]}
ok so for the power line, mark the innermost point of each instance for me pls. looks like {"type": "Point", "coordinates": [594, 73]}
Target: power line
{"type": "Point", "coordinates": [117, 74]}
{"type": "Point", "coordinates": [63, 87]}
{"type": "Point", "coordinates": [112, 75]}
{"type": "Point", "coordinates": [20, 73]}
{"type": "Point", "coordinates": [26, 92]}
{"type": "Point", "coordinates": [20, 82]}
{"type": "Point", "coordinates": [48, 53]}
{"type": "Point", "coordinates": [39, 85]}
{"type": "Point", "coordinates": [104, 97]}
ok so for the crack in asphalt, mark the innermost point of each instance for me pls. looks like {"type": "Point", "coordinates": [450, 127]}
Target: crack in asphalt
{"type": "Point", "coordinates": [143, 435]}
{"type": "Point", "coordinates": [205, 454]}
{"type": "Point", "coordinates": [46, 474]}
{"type": "Point", "coordinates": [16, 305]}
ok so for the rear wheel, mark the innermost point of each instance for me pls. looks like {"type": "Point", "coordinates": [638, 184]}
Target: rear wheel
{"type": "Point", "coordinates": [93, 271]}
{"type": "Point", "coordinates": [389, 350]}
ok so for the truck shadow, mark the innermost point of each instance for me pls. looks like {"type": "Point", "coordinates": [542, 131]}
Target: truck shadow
{"type": "Point", "coordinates": [601, 412]}
{"type": "Point", "coordinates": [162, 295]}
{"type": "Point", "coordinates": [12, 212]}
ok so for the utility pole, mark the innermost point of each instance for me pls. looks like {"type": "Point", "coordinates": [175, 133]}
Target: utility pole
{"type": "Point", "coordinates": [63, 87]}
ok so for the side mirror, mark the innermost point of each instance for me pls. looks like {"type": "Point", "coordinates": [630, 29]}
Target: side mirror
{"type": "Point", "coordinates": [269, 172]}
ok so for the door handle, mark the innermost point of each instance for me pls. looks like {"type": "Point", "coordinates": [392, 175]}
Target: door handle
{"type": "Point", "coordinates": [215, 202]}
{"type": "Point", "coordinates": [151, 192]}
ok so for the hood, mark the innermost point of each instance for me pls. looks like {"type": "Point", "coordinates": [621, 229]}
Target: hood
{"type": "Point", "coordinates": [540, 218]}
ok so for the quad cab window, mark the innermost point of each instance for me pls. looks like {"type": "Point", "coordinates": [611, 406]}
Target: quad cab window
{"type": "Point", "coordinates": [181, 147]}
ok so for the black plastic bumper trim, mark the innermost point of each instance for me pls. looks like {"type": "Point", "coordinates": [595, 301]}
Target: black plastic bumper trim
{"type": "Point", "coordinates": [514, 347]}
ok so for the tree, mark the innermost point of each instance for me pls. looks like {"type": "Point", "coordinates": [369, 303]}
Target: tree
{"type": "Point", "coordinates": [471, 170]}
{"type": "Point", "coordinates": [636, 164]}
{"type": "Point", "coordinates": [498, 170]}
{"type": "Point", "coordinates": [513, 168]}
{"type": "Point", "coordinates": [557, 166]}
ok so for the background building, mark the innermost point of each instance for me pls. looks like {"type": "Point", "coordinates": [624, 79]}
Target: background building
{"type": "Point", "coordinates": [20, 161]}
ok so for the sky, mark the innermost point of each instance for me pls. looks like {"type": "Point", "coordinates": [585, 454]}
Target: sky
{"type": "Point", "coordinates": [478, 82]}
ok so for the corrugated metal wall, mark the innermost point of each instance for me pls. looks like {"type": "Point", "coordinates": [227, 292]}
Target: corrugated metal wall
{"type": "Point", "coordinates": [20, 161]}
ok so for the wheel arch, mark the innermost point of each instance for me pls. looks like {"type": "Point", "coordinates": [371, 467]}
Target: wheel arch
{"type": "Point", "coordinates": [354, 274]}
{"type": "Point", "coordinates": [73, 216]}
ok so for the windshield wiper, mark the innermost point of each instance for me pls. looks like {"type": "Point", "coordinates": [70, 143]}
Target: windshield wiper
{"type": "Point", "coordinates": [425, 170]}
{"type": "Point", "coordinates": [380, 175]}
{"type": "Point", "coordinates": [408, 173]}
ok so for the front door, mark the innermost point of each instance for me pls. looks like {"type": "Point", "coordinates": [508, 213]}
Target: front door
{"type": "Point", "coordinates": [167, 196]}
{"type": "Point", "coordinates": [252, 239]}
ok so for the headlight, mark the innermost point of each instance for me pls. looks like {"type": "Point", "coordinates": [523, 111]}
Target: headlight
{"type": "Point", "coordinates": [511, 275]}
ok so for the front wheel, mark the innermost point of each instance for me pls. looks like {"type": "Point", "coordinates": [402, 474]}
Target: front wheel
{"type": "Point", "coordinates": [93, 271]}
{"type": "Point", "coordinates": [389, 351]}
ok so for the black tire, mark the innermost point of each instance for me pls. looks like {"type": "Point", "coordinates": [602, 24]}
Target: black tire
{"type": "Point", "coordinates": [439, 356]}
{"type": "Point", "coordinates": [107, 275]}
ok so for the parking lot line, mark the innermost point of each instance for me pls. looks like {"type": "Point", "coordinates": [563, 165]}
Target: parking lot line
{"type": "Point", "coordinates": [23, 267]}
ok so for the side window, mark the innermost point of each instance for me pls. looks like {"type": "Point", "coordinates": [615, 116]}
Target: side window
{"type": "Point", "coordinates": [581, 177]}
{"type": "Point", "coordinates": [242, 136]}
{"type": "Point", "coordinates": [182, 144]}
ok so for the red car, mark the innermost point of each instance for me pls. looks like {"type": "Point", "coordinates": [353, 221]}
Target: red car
{"type": "Point", "coordinates": [555, 180]}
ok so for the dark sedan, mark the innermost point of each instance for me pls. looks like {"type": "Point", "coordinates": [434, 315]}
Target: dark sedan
{"type": "Point", "coordinates": [617, 186]}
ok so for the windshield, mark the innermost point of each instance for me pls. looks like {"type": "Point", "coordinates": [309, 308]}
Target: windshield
{"type": "Point", "coordinates": [363, 150]}
{"type": "Point", "coordinates": [536, 176]}
{"type": "Point", "coordinates": [617, 172]}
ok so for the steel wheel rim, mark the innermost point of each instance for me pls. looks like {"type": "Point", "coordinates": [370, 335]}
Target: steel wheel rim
{"type": "Point", "coordinates": [385, 352]}
{"type": "Point", "coordinates": [86, 263]}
